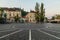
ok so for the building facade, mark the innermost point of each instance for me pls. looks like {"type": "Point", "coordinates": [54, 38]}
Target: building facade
{"type": "Point", "coordinates": [11, 13]}
{"type": "Point", "coordinates": [30, 17]}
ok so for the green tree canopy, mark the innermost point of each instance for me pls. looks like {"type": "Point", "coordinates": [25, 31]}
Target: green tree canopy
{"type": "Point", "coordinates": [37, 7]}
{"type": "Point", "coordinates": [40, 12]}
{"type": "Point", "coordinates": [5, 15]}
{"type": "Point", "coordinates": [53, 18]}
{"type": "Point", "coordinates": [42, 15]}
{"type": "Point", "coordinates": [23, 13]}
{"type": "Point", "coordinates": [57, 16]}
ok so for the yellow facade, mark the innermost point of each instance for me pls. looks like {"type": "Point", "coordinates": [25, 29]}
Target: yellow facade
{"type": "Point", "coordinates": [30, 17]}
{"type": "Point", "coordinates": [12, 14]}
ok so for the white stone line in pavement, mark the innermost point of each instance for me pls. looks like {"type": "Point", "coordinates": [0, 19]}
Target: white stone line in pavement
{"type": "Point", "coordinates": [12, 26]}
{"type": "Point", "coordinates": [29, 34]}
{"type": "Point", "coordinates": [10, 34]}
{"type": "Point", "coordinates": [49, 34]}
{"type": "Point", "coordinates": [51, 30]}
{"type": "Point", "coordinates": [5, 31]}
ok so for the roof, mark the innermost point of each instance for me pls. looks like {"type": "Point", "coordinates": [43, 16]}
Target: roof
{"type": "Point", "coordinates": [33, 11]}
{"type": "Point", "coordinates": [10, 9]}
{"type": "Point", "coordinates": [24, 14]}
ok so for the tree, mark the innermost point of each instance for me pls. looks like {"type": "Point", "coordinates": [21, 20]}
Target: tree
{"type": "Point", "coordinates": [23, 13]}
{"type": "Point", "coordinates": [37, 7]}
{"type": "Point", "coordinates": [40, 12]}
{"type": "Point", "coordinates": [37, 12]}
{"type": "Point", "coordinates": [5, 17]}
{"type": "Point", "coordinates": [53, 18]}
{"type": "Point", "coordinates": [1, 18]}
{"type": "Point", "coordinates": [58, 16]}
{"type": "Point", "coordinates": [16, 18]}
{"type": "Point", "coordinates": [1, 12]}
{"type": "Point", "coordinates": [42, 15]}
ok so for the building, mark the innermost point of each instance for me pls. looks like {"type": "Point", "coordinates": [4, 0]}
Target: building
{"type": "Point", "coordinates": [55, 19]}
{"type": "Point", "coordinates": [11, 13]}
{"type": "Point", "coordinates": [30, 17]}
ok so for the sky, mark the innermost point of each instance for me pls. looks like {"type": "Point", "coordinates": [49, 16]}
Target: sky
{"type": "Point", "coordinates": [52, 7]}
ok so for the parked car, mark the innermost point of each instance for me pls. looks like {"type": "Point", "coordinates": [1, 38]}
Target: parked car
{"type": "Point", "coordinates": [2, 20]}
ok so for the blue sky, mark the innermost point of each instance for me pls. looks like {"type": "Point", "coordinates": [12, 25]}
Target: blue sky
{"type": "Point", "coordinates": [52, 7]}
